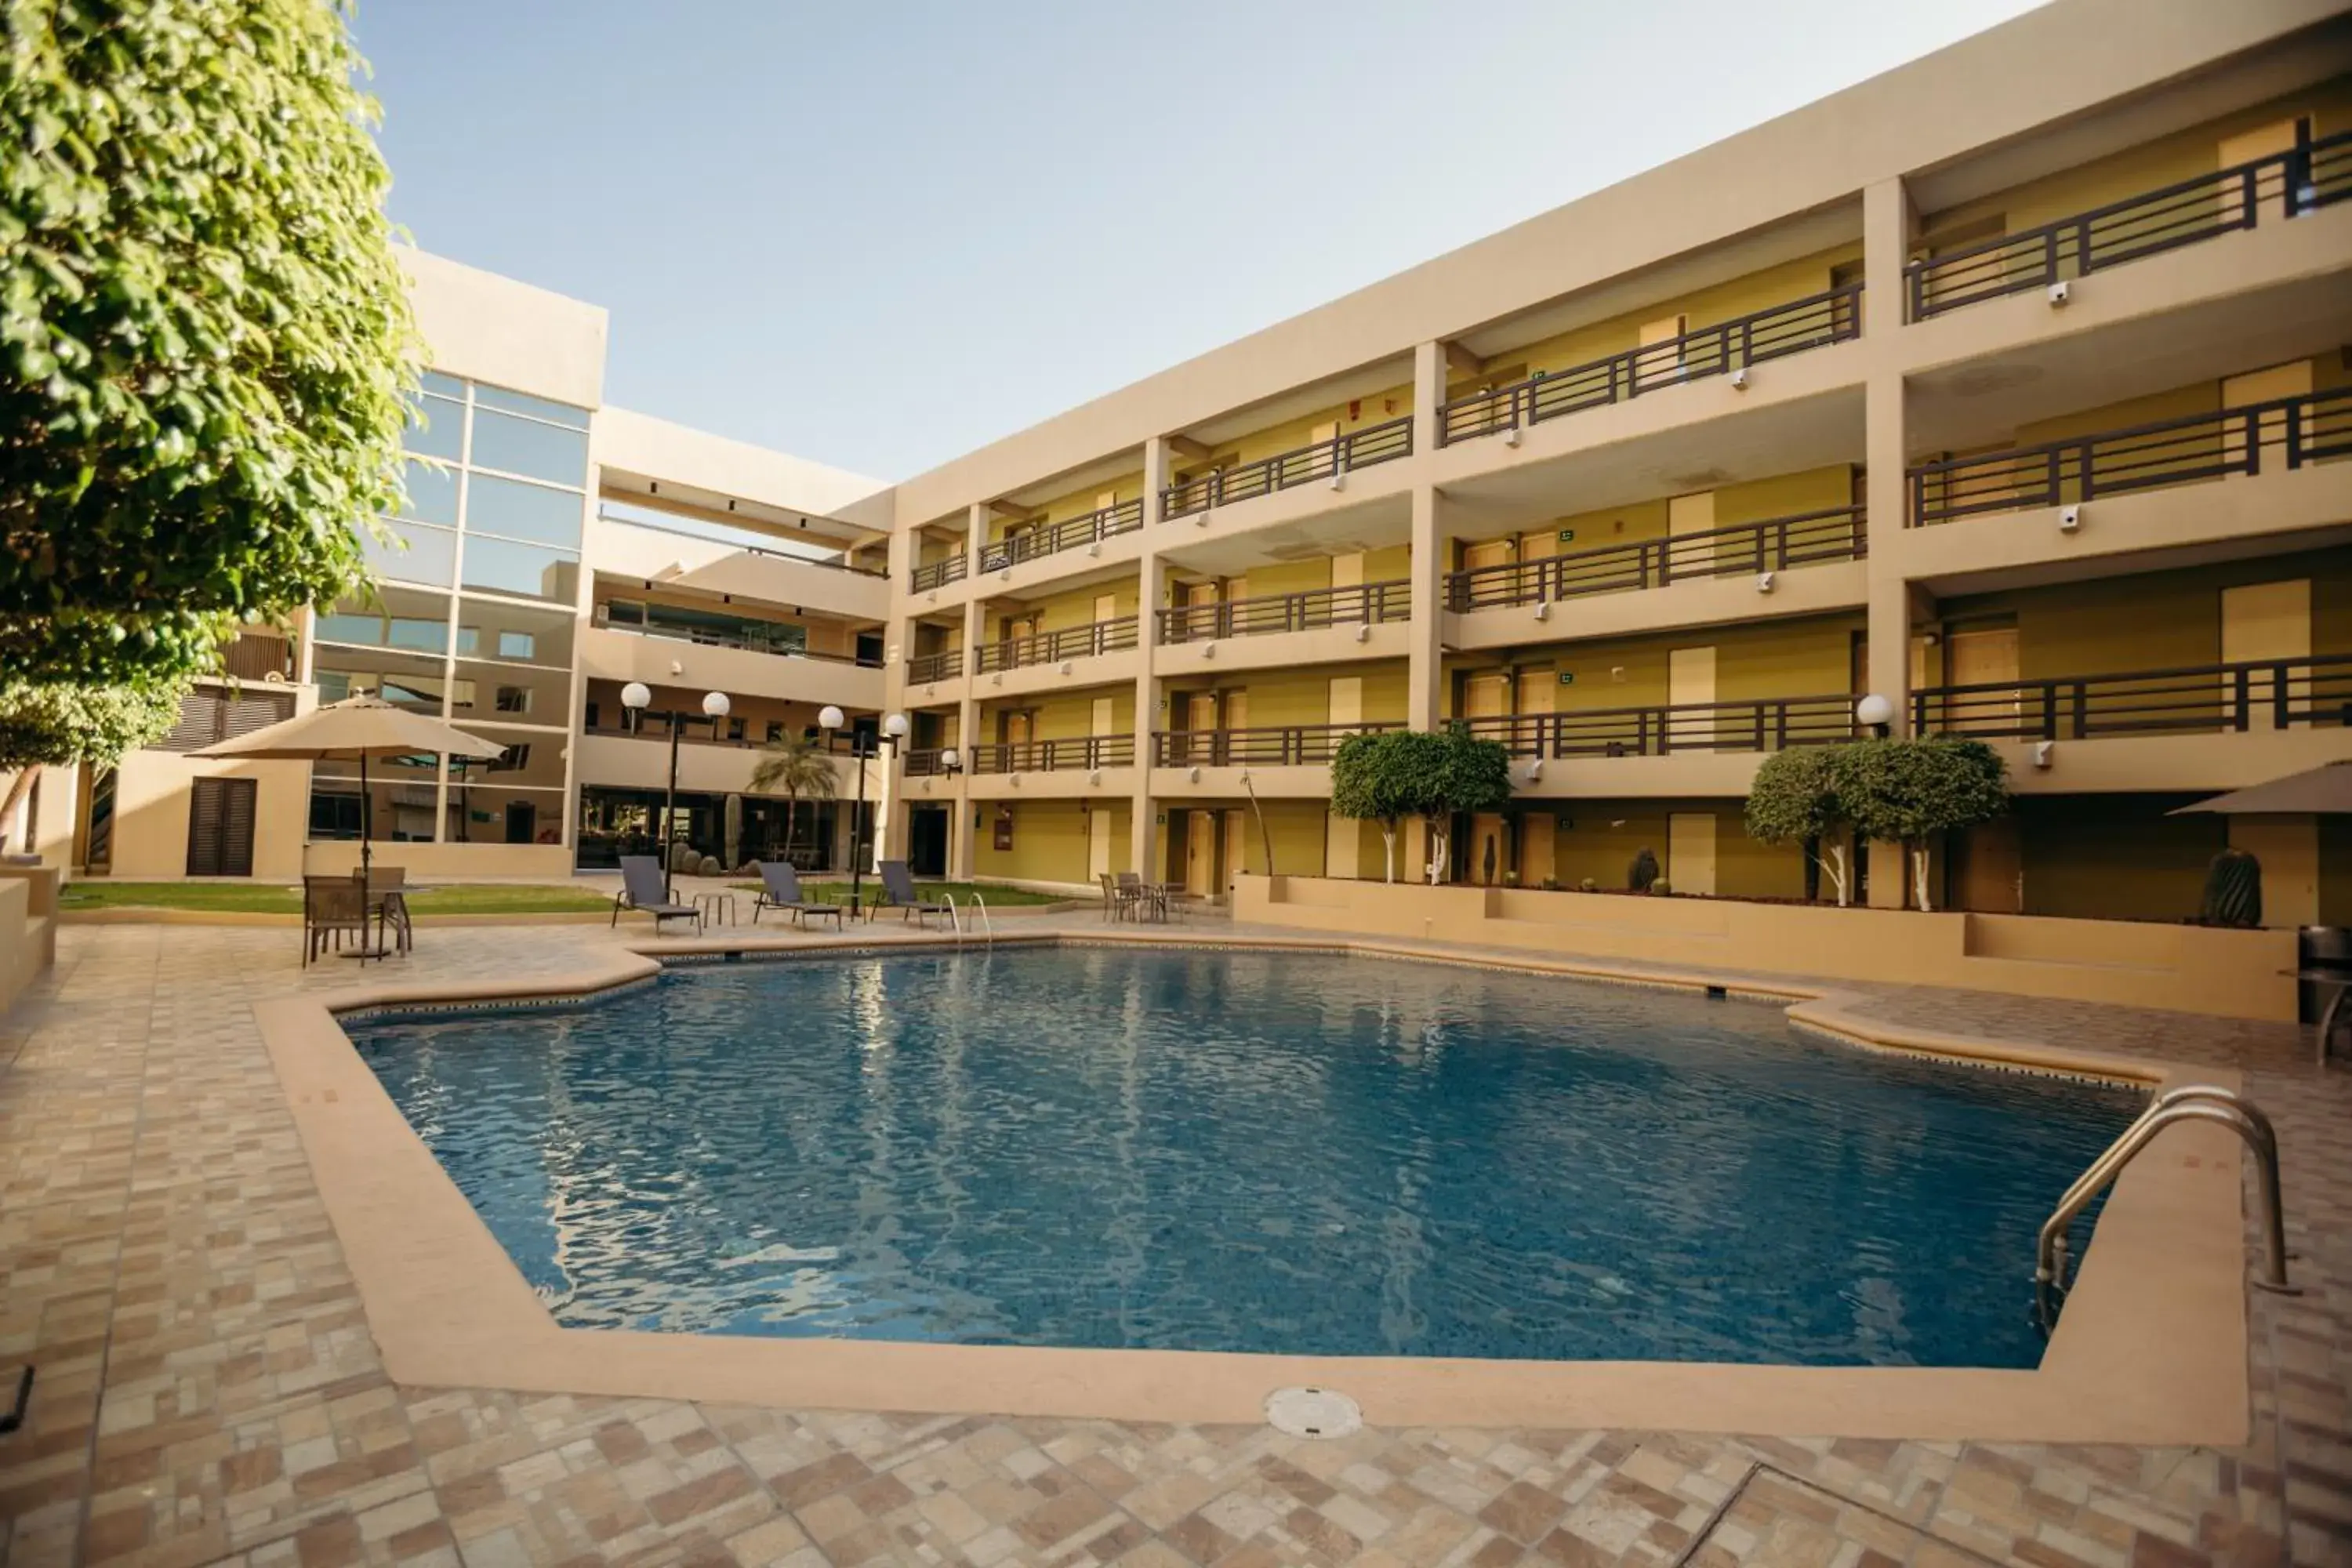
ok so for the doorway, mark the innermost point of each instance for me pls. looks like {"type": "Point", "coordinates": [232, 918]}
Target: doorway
{"type": "Point", "coordinates": [1200, 853]}
{"type": "Point", "coordinates": [220, 826]}
{"type": "Point", "coordinates": [2263, 622]}
{"type": "Point", "coordinates": [1690, 684]}
{"type": "Point", "coordinates": [1690, 851]}
{"type": "Point", "coordinates": [927, 841]}
{"type": "Point", "coordinates": [1986, 658]}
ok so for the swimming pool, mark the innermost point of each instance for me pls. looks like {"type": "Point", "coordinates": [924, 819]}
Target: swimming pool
{"type": "Point", "coordinates": [1245, 1151]}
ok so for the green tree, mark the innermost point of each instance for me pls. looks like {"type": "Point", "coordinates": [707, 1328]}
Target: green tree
{"type": "Point", "coordinates": [1369, 777]}
{"type": "Point", "coordinates": [204, 333]}
{"type": "Point", "coordinates": [1463, 774]}
{"type": "Point", "coordinates": [56, 725]}
{"type": "Point", "coordinates": [1794, 800]}
{"type": "Point", "coordinates": [1908, 792]}
{"type": "Point", "coordinates": [794, 765]}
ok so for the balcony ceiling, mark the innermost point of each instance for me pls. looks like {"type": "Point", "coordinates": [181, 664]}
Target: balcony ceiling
{"type": "Point", "coordinates": [1979, 402]}
{"type": "Point", "coordinates": [2105, 568]}
{"type": "Point", "coordinates": [709, 506]}
{"type": "Point", "coordinates": [1375, 525]}
{"type": "Point", "coordinates": [1776, 439]}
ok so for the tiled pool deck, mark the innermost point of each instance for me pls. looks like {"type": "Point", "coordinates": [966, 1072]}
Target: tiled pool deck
{"type": "Point", "coordinates": [208, 1390]}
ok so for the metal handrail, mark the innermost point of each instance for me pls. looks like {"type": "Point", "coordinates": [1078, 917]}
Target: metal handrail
{"type": "Point", "coordinates": [1761, 724]}
{"type": "Point", "coordinates": [987, 926]}
{"type": "Point", "coordinates": [1279, 745]}
{"type": "Point", "coordinates": [1071, 533]}
{"type": "Point", "coordinates": [2205, 699]}
{"type": "Point", "coordinates": [1113, 635]}
{"type": "Point", "coordinates": [926, 668]}
{"type": "Point", "coordinates": [1769, 544]}
{"type": "Point", "coordinates": [938, 573]}
{"type": "Point", "coordinates": [1310, 609]}
{"type": "Point", "coordinates": [2190, 1102]}
{"type": "Point", "coordinates": [1327, 459]}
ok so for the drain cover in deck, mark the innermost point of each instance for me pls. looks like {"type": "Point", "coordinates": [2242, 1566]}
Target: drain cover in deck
{"type": "Point", "coordinates": [1313, 1412]}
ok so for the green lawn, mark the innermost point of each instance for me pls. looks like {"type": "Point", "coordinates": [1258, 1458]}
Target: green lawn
{"type": "Point", "coordinates": [275, 898]}
{"type": "Point", "coordinates": [998, 898]}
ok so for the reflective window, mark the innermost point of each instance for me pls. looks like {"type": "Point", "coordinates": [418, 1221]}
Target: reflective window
{"type": "Point", "coordinates": [441, 386]}
{"type": "Point", "coordinates": [470, 640]}
{"type": "Point", "coordinates": [515, 511]}
{"type": "Point", "coordinates": [401, 617]}
{"type": "Point", "coordinates": [431, 493]}
{"type": "Point", "coordinates": [528, 634]}
{"type": "Point", "coordinates": [499, 566]}
{"type": "Point", "coordinates": [416, 554]}
{"type": "Point", "coordinates": [406, 679]}
{"type": "Point", "coordinates": [517, 644]}
{"type": "Point", "coordinates": [525, 695]}
{"type": "Point", "coordinates": [536, 408]}
{"type": "Point", "coordinates": [524, 447]}
{"type": "Point", "coordinates": [436, 429]}
{"type": "Point", "coordinates": [533, 759]}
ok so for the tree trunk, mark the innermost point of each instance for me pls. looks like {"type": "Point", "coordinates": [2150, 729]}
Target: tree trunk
{"type": "Point", "coordinates": [791, 809]}
{"type": "Point", "coordinates": [1388, 841]}
{"type": "Point", "coordinates": [17, 789]}
{"type": "Point", "coordinates": [1919, 876]}
{"type": "Point", "coordinates": [1832, 860]}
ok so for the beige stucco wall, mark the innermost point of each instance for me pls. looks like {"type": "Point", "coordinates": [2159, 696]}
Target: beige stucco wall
{"type": "Point", "coordinates": [508, 334]}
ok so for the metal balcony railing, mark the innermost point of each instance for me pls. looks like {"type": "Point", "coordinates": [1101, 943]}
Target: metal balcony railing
{"type": "Point", "coordinates": [2312, 174]}
{"type": "Point", "coordinates": [1080, 752]}
{"type": "Point", "coordinates": [830, 562]}
{"type": "Point", "coordinates": [2197, 700]}
{"type": "Point", "coordinates": [1813, 322]}
{"type": "Point", "coordinates": [925, 668]}
{"type": "Point", "coordinates": [1071, 533]}
{"type": "Point", "coordinates": [1770, 725]}
{"type": "Point", "coordinates": [1310, 610]}
{"type": "Point", "coordinates": [1361, 448]}
{"type": "Point", "coordinates": [1053, 648]}
{"type": "Point", "coordinates": [2285, 433]}
{"type": "Point", "coordinates": [1279, 745]}
{"type": "Point", "coordinates": [1775, 544]}
{"type": "Point", "coordinates": [750, 638]}
{"type": "Point", "coordinates": [947, 569]}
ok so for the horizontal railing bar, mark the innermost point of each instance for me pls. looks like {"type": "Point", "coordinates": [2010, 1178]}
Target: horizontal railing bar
{"type": "Point", "coordinates": [1323, 459]}
{"type": "Point", "coordinates": [1835, 534]}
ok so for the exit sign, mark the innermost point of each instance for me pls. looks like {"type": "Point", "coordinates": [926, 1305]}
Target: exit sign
{"type": "Point", "coordinates": [1568, 678]}
{"type": "Point", "coordinates": [1567, 536]}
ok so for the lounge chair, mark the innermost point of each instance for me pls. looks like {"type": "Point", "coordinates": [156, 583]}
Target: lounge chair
{"type": "Point", "coordinates": [782, 891]}
{"type": "Point", "coordinates": [898, 887]}
{"type": "Point", "coordinates": [641, 890]}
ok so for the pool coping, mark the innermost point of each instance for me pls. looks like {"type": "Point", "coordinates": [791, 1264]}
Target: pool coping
{"type": "Point", "coordinates": [2152, 1349]}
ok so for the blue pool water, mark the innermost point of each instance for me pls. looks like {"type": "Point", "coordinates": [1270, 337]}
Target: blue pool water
{"type": "Point", "coordinates": [1246, 1152]}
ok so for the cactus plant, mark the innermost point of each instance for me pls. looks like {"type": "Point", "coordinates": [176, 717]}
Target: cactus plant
{"type": "Point", "coordinates": [1588, 886]}
{"type": "Point", "coordinates": [1661, 888]}
{"type": "Point", "coordinates": [2233, 891]}
{"type": "Point", "coordinates": [1644, 870]}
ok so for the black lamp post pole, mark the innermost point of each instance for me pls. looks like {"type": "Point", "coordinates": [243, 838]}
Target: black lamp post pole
{"type": "Point", "coordinates": [858, 831]}
{"type": "Point", "coordinates": [670, 809]}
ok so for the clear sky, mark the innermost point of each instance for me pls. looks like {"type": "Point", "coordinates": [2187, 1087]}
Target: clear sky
{"type": "Point", "coordinates": [879, 234]}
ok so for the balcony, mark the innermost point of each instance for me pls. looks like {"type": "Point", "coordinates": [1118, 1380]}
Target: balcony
{"type": "Point", "coordinates": [939, 573]}
{"type": "Point", "coordinates": [2286, 185]}
{"type": "Point", "coordinates": [2199, 700]}
{"type": "Point", "coordinates": [1312, 609]}
{"type": "Point", "coordinates": [1362, 449]}
{"type": "Point", "coordinates": [926, 669]}
{"type": "Point", "coordinates": [1082, 753]}
{"type": "Point", "coordinates": [753, 637]}
{"type": "Point", "coordinates": [1770, 725]}
{"type": "Point", "coordinates": [746, 665]}
{"type": "Point", "coordinates": [1775, 544]}
{"type": "Point", "coordinates": [628, 547]}
{"type": "Point", "coordinates": [2293, 431]}
{"type": "Point", "coordinates": [1283, 745]}
{"type": "Point", "coordinates": [1775, 333]}
{"type": "Point", "coordinates": [1054, 648]}
{"type": "Point", "coordinates": [1071, 533]}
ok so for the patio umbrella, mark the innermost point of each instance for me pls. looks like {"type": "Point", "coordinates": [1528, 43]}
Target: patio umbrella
{"type": "Point", "coordinates": [360, 727]}
{"type": "Point", "coordinates": [2321, 790]}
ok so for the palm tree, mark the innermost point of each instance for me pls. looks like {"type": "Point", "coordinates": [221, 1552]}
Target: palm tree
{"type": "Point", "coordinates": [794, 765]}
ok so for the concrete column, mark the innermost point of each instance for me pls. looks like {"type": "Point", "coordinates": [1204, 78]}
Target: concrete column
{"type": "Point", "coordinates": [1151, 587]}
{"type": "Point", "coordinates": [1887, 236]}
{"type": "Point", "coordinates": [976, 536]}
{"type": "Point", "coordinates": [1425, 664]}
{"type": "Point", "coordinates": [1887, 224]}
{"type": "Point", "coordinates": [1428, 392]}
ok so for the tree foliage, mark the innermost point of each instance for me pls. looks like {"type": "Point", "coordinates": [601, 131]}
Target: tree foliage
{"type": "Point", "coordinates": [59, 724]}
{"type": "Point", "coordinates": [204, 333]}
{"type": "Point", "coordinates": [1467, 775]}
{"type": "Point", "coordinates": [1795, 799]}
{"type": "Point", "coordinates": [1373, 780]}
{"type": "Point", "coordinates": [794, 765]}
{"type": "Point", "coordinates": [1904, 791]}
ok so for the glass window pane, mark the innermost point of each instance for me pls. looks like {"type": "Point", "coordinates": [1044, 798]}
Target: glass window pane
{"type": "Point", "coordinates": [525, 633]}
{"type": "Point", "coordinates": [403, 618]}
{"type": "Point", "coordinates": [533, 759]}
{"type": "Point", "coordinates": [515, 511]}
{"type": "Point", "coordinates": [403, 679]}
{"type": "Point", "coordinates": [436, 429]}
{"type": "Point", "coordinates": [536, 407]}
{"type": "Point", "coordinates": [420, 556]}
{"type": "Point", "coordinates": [400, 812]}
{"type": "Point", "coordinates": [431, 493]}
{"type": "Point", "coordinates": [519, 694]}
{"type": "Point", "coordinates": [500, 567]}
{"type": "Point", "coordinates": [443, 385]}
{"type": "Point", "coordinates": [521, 446]}
{"type": "Point", "coordinates": [470, 640]}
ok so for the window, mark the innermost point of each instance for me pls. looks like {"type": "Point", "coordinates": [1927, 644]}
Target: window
{"type": "Point", "coordinates": [513, 645]}
{"type": "Point", "coordinates": [501, 567]}
{"type": "Point", "coordinates": [525, 447]}
{"type": "Point", "coordinates": [468, 639]}
{"type": "Point", "coordinates": [514, 759]}
{"type": "Point", "coordinates": [523, 402]}
{"type": "Point", "coordinates": [513, 510]}
{"type": "Point", "coordinates": [436, 429]}
{"type": "Point", "coordinates": [775, 731]}
{"type": "Point", "coordinates": [514, 700]}
{"type": "Point", "coordinates": [734, 729]}
{"type": "Point", "coordinates": [590, 721]}
{"type": "Point", "coordinates": [431, 493]}
{"type": "Point", "coordinates": [412, 552]}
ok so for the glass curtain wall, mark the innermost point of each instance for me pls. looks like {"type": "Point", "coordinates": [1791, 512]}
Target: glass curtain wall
{"type": "Point", "coordinates": [472, 622]}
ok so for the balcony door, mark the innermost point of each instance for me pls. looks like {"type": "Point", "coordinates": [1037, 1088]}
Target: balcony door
{"type": "Point", "coordinates": [2264, 142]}
{"type": "Point", "coordinates": [1099, 827]}
{"type": "Point", "coordinates": [1661, 358]}
{"type": "Point", "coordinates": [1200, 853]}
{"type": "Point", "coordinates": [1690, 851]}
{"type": "Point", "coordinates": [1978, 658]}
{"type": "Point", "coordinates": [1690, 685]}
{"type": "Point", "coordinates": [1688, 515]}
{"type": "Point", "coordinates": [2260, 622]}
{"type": "Point", "coordinates": [2291, 379]}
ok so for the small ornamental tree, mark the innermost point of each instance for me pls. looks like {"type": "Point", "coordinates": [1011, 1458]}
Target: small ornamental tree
{"type": "Point", "coordinates": [1908, 792]}
{"type": "Point", "coordinates": [56, 725]}
{"type": "Point", "coordinates": [1463, 774]}
{"type": "Point", "coordinates": [1794, 800]}
{"type": "Point", "coordinates": [204, 333]}
{"type": "Point", "coordinates": [1368, 782]}
{"type": "Point", "coordinates": [794, 765]}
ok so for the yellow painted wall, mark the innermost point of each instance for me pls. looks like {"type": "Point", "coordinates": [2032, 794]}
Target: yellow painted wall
{"type": "Point", "coordinates": [1060, 612]}
{"type": "Point", "coordinates": [1279, 697]}
{"type": "Point", "coordinates": [2149, 166]}
{"type": "Point", "coordinates": [1778, 285]}
{"type": "Point", "coordinates": [1064, 715]}
{"type": "Point", "coordinates": [1291, 435]}
{"type": "Point", "coordinates": [2155, 620]}
{"type": "Point", "coordinates": [1809, 658]}
{"type": "Point", "coordinates": [1298, 830]}
{"type": "Point", "coordinates": [1602, 838]}
{"type": "Point", "coordinates": [1073, 503]}
{"type": "Point", "coordinates": [2116, 857]}
{"type": "Point", "coordinates": [1049, 840]}
{"type": "Point", "coordinates": [1781, 495]}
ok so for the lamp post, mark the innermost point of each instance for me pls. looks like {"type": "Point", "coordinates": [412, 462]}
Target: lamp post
{"type": "Point", "coordinates": [894, 729]}
{"type": "Point", "coordinates": [636, 697]}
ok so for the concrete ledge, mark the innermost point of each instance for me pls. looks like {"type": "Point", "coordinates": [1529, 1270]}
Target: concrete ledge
{"type": "Point", "coordinates": [2160, 1287]}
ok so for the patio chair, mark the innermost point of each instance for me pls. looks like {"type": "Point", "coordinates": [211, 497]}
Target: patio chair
{"type": "Point", "coordinates": [387, 887]}
{"type": "Point", "coordinates": [782, 891]}
{"type": "Point", "coordinates": [1148, 900]}
{"type": "Point", "coordinates": [641, 890]}
{"type": "Point", "coordinates": [898, 887]}
{"type": "Point", "coordinates": [1119, 902]}
{"type": "Point", "coordinates": [330, 907]}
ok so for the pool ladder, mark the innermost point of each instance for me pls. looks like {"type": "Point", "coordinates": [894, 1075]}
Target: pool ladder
{"type": "Point", "coordinates": [955, 919]}
{"type": "Point", "coordinates": [2190, 1102]}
